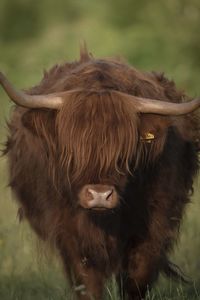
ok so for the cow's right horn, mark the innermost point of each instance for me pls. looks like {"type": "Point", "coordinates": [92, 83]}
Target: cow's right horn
{"type": "Point", "coordinates": [53, 101]}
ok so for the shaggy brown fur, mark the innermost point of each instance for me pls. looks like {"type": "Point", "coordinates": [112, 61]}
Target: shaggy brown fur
{"type": "Point", "coordinates": [97, 137]}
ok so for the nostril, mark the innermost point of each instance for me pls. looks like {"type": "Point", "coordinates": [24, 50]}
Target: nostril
{"type": "Point", "coordinates": [109, 194]}
{"type": "Point", "coordinates": [90, 194]}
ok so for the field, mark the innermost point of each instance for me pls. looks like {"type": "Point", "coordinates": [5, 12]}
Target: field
{"type": "Point", "coordinates": [27, 270]}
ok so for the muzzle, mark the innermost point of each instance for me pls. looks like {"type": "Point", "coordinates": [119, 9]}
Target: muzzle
{"type": "Point", "coordinates": [98, 197]}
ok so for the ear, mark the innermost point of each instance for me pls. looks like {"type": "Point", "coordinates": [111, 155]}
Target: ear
{"type": "Point", "coordinates": [153, 127]}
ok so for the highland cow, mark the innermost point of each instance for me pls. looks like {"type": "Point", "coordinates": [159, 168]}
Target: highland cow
{"type": "Point", "coordinates": [102, 159]}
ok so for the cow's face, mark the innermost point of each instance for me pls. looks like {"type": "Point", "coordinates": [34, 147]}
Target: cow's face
{"type": "Point", "coordinates": [98, 138]}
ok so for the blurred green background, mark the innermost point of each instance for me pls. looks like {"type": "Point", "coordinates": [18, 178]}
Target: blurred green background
{"type": "Point", "coordinates": [34, 35]}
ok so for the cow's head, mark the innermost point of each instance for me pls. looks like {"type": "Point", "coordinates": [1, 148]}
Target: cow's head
{"type": "Point", "coordinates": [100, 124]}
{"type": "Point", "coordinates": [97, 140]}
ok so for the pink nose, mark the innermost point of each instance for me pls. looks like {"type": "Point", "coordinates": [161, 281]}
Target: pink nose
{"type": "Point", "coordinates": [98, 196]}
{"type": "Point", "coordinates": [101, 196]}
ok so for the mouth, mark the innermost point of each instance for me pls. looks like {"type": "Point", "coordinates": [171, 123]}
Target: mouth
{"type": "Point", "coordinates": [99, 209]}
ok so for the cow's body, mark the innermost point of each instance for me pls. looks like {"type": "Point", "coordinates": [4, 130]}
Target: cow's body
{"type": "Point", "coordinates": [54, 154]}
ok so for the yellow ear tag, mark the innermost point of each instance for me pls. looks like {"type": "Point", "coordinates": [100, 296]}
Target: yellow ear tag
{"type": "Point", "coordinates": [148, 137]}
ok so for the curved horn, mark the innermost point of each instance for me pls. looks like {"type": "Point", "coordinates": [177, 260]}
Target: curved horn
{"type": "Point", "coordinates": [146, 105]}
{"type": "Point", "coordinates": [53, 101]}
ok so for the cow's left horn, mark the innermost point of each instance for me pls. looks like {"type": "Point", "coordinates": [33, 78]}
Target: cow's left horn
{"type": "Point", "coordinates": [53, 101]}
{"type": "Point", "coordinates": [146, 105]}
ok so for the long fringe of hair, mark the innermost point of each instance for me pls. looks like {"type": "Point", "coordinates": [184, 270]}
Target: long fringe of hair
{"type": "Point", "coordinates": [96, 131]}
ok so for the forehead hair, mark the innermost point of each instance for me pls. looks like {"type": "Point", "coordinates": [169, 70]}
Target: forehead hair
{"type": "Point", "coordinates": [97, 135]}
